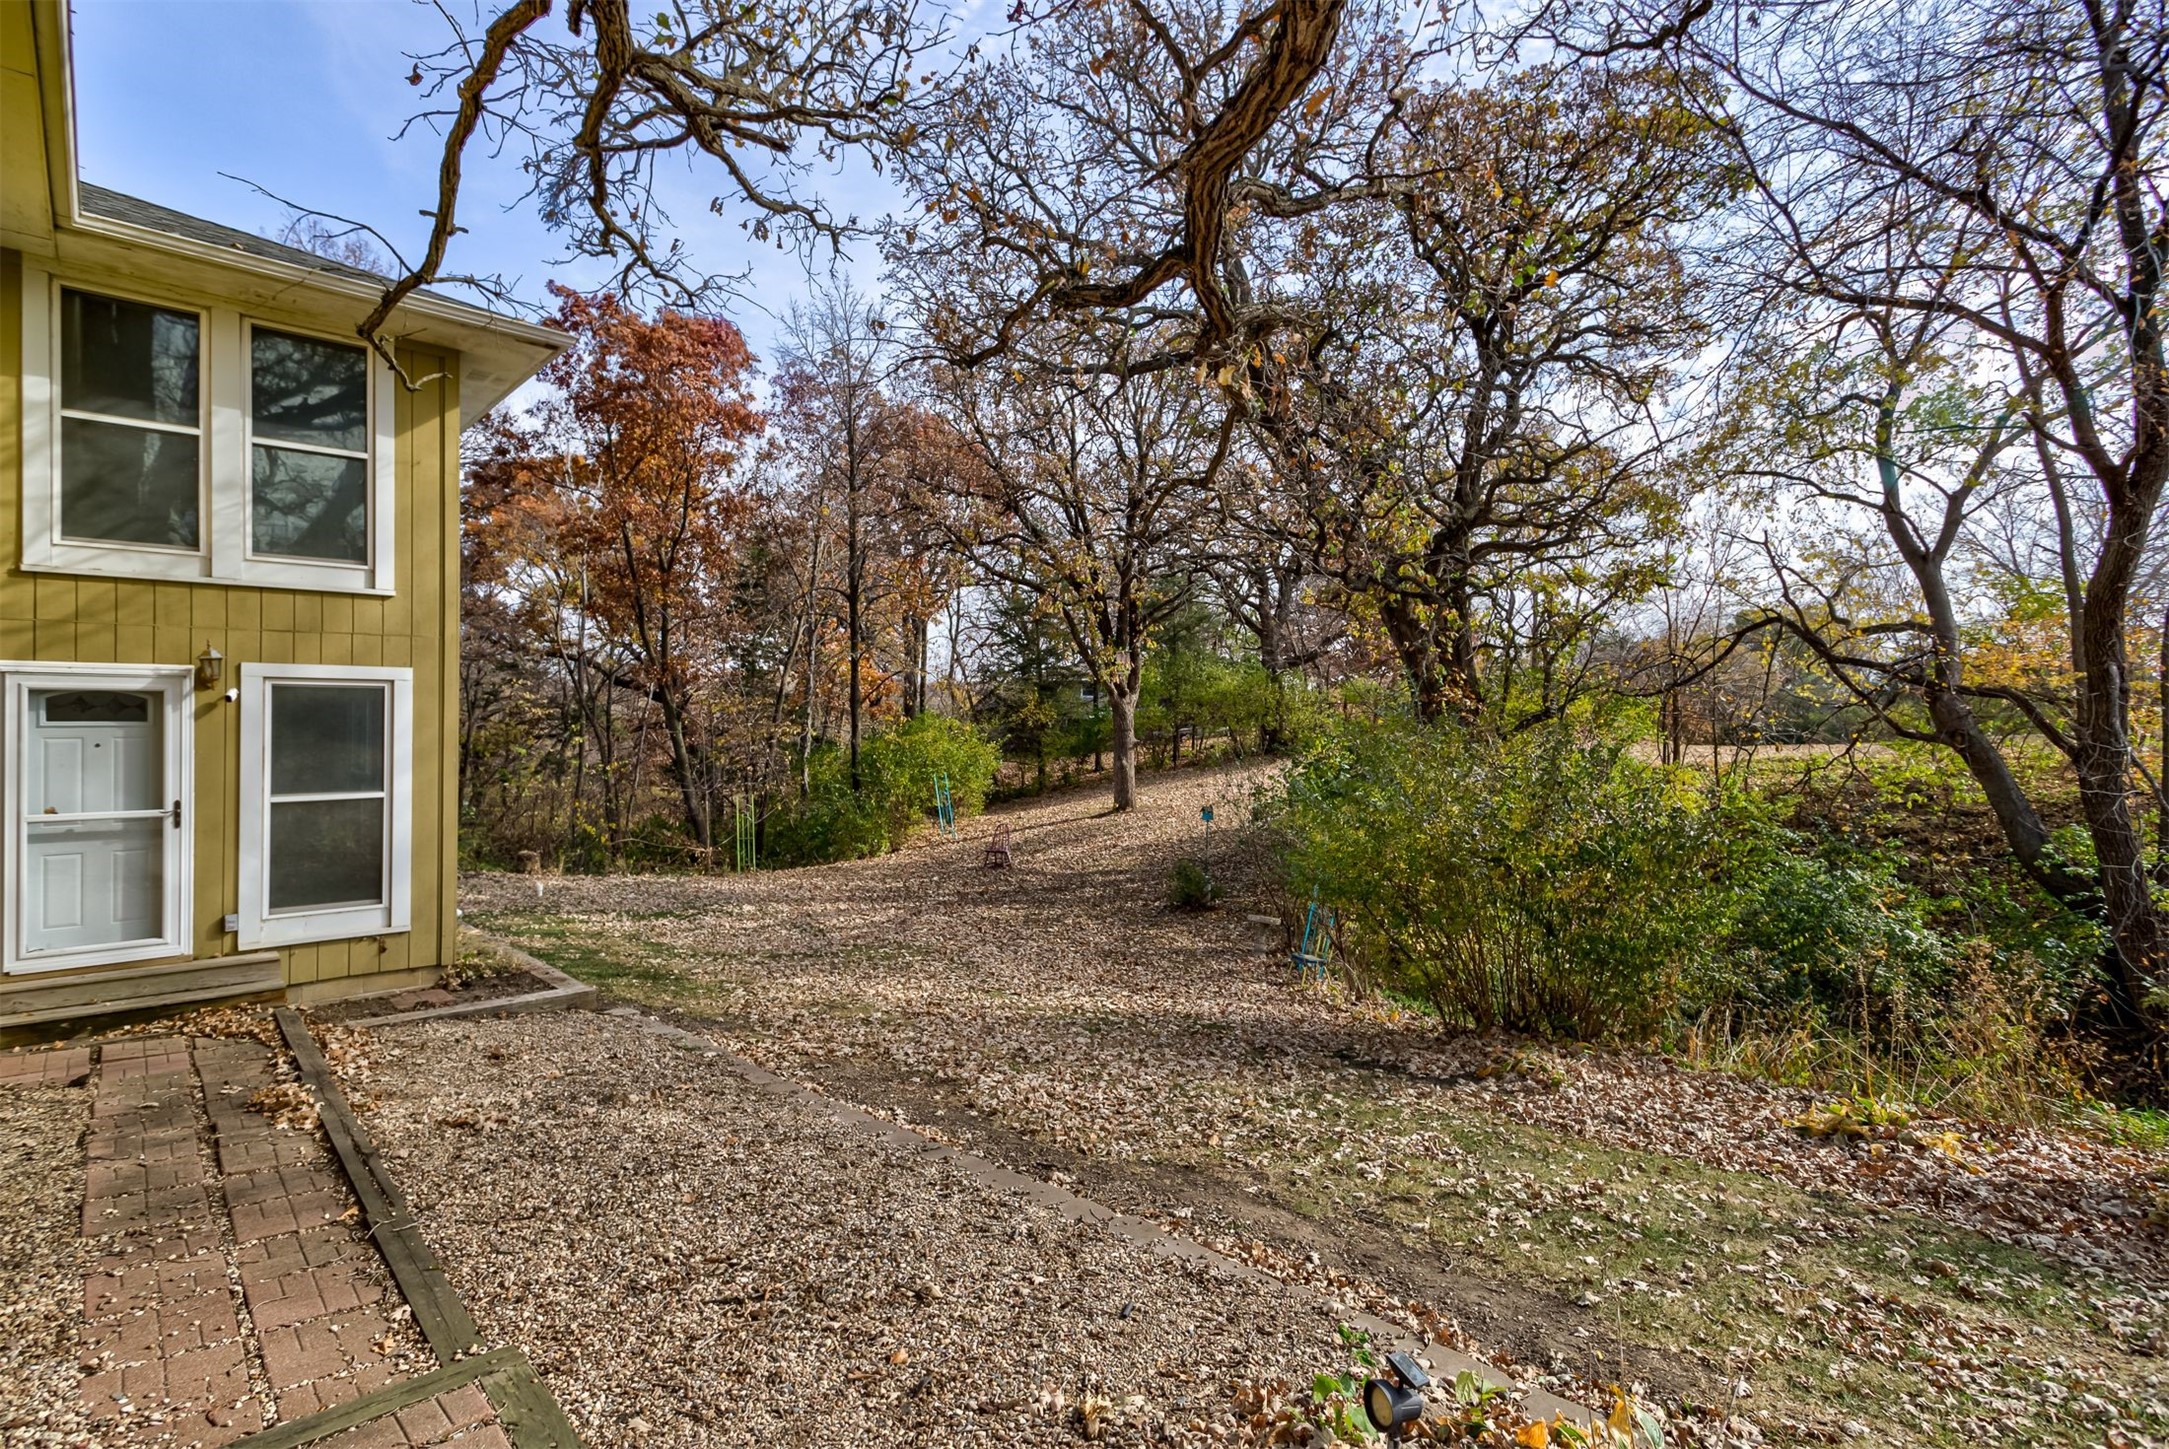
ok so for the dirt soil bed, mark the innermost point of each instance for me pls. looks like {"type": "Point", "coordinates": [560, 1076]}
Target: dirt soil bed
{"type": "Point", "coordinates": [1596, 1216]}
{"type": "Point", "coordinates": [475, 991]}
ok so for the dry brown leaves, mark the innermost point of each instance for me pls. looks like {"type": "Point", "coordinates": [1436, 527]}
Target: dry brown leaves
{"type": "Point", "coordinates": [289, 1105]}
{"type": "Point", "coordinates": [1059, 1000]}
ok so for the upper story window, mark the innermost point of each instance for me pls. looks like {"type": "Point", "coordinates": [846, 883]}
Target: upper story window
{"type": "Point", "coordinates": [131, 422]}
{"type": "Point", "coordinates": [168, 441]}
{"type": "Point", "coordinates": [308, 448]}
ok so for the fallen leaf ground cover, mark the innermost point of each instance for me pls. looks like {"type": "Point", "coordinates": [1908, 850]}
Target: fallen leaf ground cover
{"type": "Point", "coordinates": [1590, 1215]}
{"type": "Point", "coordinates": [693, 1262]}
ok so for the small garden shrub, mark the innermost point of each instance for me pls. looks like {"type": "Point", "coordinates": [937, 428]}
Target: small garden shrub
{"type": "Point", "coordinates": [1841, 934]}
{"type": "Point", "coordinates": [1191, 888]}
{"type": "Point", "coordinates": [897, 770]}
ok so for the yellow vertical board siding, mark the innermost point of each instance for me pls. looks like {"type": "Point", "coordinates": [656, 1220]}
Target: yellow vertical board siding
{"type": "Point", "coordinates": [94, 602]}
{"type": "Point", "coordinates": [15, 603]}
{"type": "Point", "coordinates": [56, 617]}
{"type": "Point", "coordinates": [51, 598]}
{"type": "Point", "coordinates": [216, 763]}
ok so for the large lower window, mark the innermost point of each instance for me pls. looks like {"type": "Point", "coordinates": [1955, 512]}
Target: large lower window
{"type": "Point", "coordinates": [326, 788]}
{"type": "Point", "coordinates": [166, 439]}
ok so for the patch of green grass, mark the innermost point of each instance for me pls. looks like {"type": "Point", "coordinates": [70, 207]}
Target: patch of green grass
{"type": "Point", "coordinates": [2142, 1127]}
{"type": "Point", "coordinates": [637, 970]}
{"type": "Point", "coordinates": [1830, 1311]}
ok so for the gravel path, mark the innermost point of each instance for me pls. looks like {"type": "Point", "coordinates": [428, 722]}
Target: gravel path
{"type": "Point", "coordinates": [690, 1261]}
{"type": "Point", "coordinates": [41, 1277]}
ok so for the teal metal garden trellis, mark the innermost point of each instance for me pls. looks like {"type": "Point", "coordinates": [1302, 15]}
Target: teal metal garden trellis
{"type": "Point", "coordinates": [1316, 952]}
{"type": "Point", "coordinates": [944, 806]}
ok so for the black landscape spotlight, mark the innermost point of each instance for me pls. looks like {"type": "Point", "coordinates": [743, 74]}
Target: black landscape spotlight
{"type": "Point", "coordinates": [1396, 1401]}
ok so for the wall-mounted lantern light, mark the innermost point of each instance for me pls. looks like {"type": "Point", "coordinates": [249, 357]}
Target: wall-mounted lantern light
{"type": "Point", "coordinates": [210, 667]}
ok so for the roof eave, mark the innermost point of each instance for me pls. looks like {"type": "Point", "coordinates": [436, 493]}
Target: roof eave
{"type": "Point", "coordinates": [498, 352]}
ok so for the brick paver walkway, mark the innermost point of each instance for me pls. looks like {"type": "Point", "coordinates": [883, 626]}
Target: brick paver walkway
{"type": "Point", "coordinates": [462, 1417]}
{"type": "Point", "coordinates": [226, 1286]}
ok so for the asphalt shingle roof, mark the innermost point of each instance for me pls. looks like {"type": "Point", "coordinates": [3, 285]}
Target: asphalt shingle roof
{"type": "Point", "coordinates": [114, 206]}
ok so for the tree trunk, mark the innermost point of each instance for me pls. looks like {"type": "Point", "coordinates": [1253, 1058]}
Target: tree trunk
{"type": "Point", "coordinates": [579, 764]}
{"type": "Point", "coordinates": [1122, 709]}
{"type": "Point", "coordinates": [805, 733]}
{"type": "Point", "coordinates": [2105, 767]}
{"type": "Point", "coordinates": [684, 769]}
{"type": "Point", "coordinates": [855, 575]}
{"type": "Point", "coordinates": [914, 666]}
{"type": "Point", "coordinates": [1099, 751]}
{"type": "Point", "coordinates": [2120, 894]}
{"type": "Point", "coordinates": [1412, 642]}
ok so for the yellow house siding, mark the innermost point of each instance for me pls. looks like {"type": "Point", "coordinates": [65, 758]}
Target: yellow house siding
{"type": "Point", "coordinates": [53, 617]}
{"type": "Point", "coordinates": [26, 211]}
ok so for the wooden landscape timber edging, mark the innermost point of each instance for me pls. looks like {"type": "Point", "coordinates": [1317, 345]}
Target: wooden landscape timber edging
{"type": "Point", "coordinates": [388, 1400]}
{"type": "Point", "coordinates": [1445, 1361]}
{"type": "Point", "coordinates": [525, 1408]}
{"type": "Point", "coordinates": [440, 1315]}
{"type": "Point", "coordinates": [530, 1418]}
{"type": "Point", "coordinates": [564, 992]}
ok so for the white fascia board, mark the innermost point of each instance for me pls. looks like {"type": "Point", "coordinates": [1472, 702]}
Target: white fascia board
{"type": "Point", "coordinates": [497, 352]}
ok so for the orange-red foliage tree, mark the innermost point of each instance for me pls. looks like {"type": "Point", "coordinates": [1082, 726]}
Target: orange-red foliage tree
{"type": "Point", "coordinates": [625, 484]}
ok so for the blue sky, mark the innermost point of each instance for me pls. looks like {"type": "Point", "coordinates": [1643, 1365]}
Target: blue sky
{"type": "Point", "coordinates": [304, 96]}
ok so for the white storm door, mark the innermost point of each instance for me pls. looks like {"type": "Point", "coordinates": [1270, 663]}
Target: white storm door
{"type": "Point", "coordinates": [98, 855]}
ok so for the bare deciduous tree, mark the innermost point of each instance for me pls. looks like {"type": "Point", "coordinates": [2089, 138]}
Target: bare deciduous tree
{"type": "Point", "coordinates": [1970, 196]}
{"type": "Point", "coordinates": [1096, 499]}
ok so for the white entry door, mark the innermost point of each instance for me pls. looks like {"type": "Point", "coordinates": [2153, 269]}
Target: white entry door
{"type": "Point", "coordinates": [98, 860]}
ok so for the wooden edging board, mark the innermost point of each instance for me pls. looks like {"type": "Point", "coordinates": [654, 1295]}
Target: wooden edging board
{"type": "Point", "coordinates": [505, 1376]}
{"type": "Point", "coordinates": [565, 992]}
{"type": "Point", "coordinates": [387, 1400]}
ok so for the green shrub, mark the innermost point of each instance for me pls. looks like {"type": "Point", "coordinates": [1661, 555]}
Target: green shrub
{"type": "Point", "coordinates": [896, 789]}
{"type": "Point", "coordinates": [828, 822]}
{"type": "Point", "coordinates": [1550, 885]}
{"type": "Point", "coordinates": [897, 770]}
{"type": "Point", "coordinates": [1190, 887]}
{"type": "Point", "coordinates": [1842, 935]}
{"type": "Point", "coordinates": [1538, 884]}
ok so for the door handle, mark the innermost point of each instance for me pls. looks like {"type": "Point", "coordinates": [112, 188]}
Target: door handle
{"type": "Point", "coordinates": [175, 815]}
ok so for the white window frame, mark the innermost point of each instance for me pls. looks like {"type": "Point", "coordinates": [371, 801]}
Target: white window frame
{"type": "Point", "coordinates": [308, 573]}
{"type": "Point", "coordinates": [175, 684]}
{"type": "Point", "coordinates": [224, 380]}
{"type": "Point", "coordinates": [43, 408]}
{"type": "Point", "coordinates": [262, 927]}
